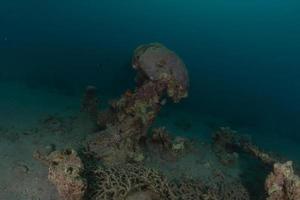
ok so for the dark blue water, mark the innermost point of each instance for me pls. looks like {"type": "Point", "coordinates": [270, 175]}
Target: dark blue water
{"type": "Point", "coordinates": [243, 56]}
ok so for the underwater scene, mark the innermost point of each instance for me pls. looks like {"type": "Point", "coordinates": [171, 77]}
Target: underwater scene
{"type": "Point", "coordinates": [150, 100]}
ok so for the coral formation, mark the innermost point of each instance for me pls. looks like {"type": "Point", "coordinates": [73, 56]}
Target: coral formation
{"type": "Point", "coordinates": [123, 181]}
{"type": "Point", "coordinates": [124, 148]}
{"type": "Point", "coordinates": [159, 63]}
{"type": "Point", "coordinates": [132, 181]}
{"type": "Point", "coordinates": [227, 189]}
{"type": "Point", "coordinates": [282, 183]}
{"type": "Point", "coordinates": [131, 116]}
{"type": "Point", "coordinates": [65, 172]}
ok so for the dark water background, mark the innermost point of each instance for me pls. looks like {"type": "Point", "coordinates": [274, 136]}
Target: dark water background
{"type": "Point", "coordinates": [243, 55]}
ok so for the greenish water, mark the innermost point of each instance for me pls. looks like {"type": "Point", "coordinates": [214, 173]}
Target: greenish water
{"type": "Point", "coordinates": [242, 56]}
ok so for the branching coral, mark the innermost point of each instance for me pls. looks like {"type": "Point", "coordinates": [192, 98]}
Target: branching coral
{"type": "Point", "coordinates": [227, 189]}
{"type": "Point", "coordinates": [121, 182]}
{"type": "Point", "coordinates": [127, 181]}
{"type": "Point", "coordinates": [132, 182]}
{"type": "Point", "coordinates": [282, 183]}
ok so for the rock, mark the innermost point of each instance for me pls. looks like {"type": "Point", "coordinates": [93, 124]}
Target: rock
{"type": "Point", "coordinates": [65, 172]}
{"type": "Point", "coordinates": [156, 62]}
{"type": "Point", "coordinates": [282, 183]}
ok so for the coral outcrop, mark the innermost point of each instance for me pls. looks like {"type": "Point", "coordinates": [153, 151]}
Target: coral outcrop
{"type": "Point", "coordinates": [282, 183]}
{"type": "Point", "coordinates": [65, 172]}
{"type": "Point", "coordinates": [161, 73]}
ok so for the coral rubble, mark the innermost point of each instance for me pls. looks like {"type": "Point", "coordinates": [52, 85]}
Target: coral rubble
{"type": "Point", "coordinates": [282, 183]}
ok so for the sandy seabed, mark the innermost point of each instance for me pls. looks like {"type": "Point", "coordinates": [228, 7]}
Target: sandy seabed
{"type": "Point", "coordinates": [33, 119]}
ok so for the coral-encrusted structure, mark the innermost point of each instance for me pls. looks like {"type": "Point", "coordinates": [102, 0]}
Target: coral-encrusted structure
{"type": "Point", "coordinates": [65, 172]}
{"type": "Point", "coordinates": [161, 74]}
{"type": "Point", "coordinates": [282, 183]}
{"type": "Point", "coordinates": [157, 63]}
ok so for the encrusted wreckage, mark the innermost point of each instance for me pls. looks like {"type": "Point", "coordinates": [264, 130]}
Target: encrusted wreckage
{"type": "Point", "coordinates": [161, 74]}
{"type": "Point", "coordinates": [121, 143]}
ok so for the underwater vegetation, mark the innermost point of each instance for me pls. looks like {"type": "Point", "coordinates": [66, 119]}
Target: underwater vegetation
{"type": "Point", "coordinates": [128, 159]}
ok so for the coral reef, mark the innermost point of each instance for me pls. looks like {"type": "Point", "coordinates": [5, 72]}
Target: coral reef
{"type": "Point", "coordinates": [116, 163]}
{"type": "Point", "coordinates": [282, 183]}
{"type": "Point", "coordinates": [128, 119]}
{"type": "Point", "coordinates": [65, 172]}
